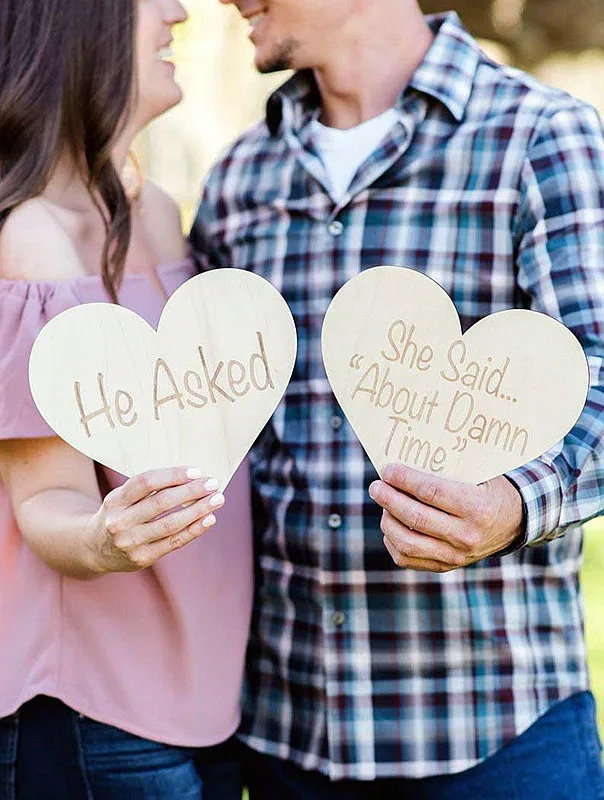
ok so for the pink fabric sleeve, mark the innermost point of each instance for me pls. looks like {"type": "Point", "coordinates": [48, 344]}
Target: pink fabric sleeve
{"type": "Point", "coordinates": [24, 310]}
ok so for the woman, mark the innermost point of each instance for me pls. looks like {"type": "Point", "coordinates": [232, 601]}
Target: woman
{"type": "Point", "coordinates": [121, 652]}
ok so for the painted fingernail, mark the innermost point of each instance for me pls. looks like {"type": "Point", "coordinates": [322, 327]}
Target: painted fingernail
{"type": "Point", "coordinates": [194, 473]}
{"type": "Point", "coordinates": [211, 484]}
{"type": "Point", "coordinates": [208, 521]}
{"type": "Point", "coordinates": [217, 500]}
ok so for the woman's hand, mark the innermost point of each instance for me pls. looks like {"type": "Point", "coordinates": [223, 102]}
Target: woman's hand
{"type": "Point", "coordinates": [149, 516]}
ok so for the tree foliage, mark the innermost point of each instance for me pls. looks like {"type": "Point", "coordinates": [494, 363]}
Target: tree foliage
{"type": "Point", "coordinates": [531, 29]}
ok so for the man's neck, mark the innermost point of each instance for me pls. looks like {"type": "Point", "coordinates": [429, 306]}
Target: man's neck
{"type": "Point", "coordinates": [367, 74]}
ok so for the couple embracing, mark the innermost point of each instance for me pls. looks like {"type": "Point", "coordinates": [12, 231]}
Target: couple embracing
{"type": "Point", "coordinates": [405, 637]}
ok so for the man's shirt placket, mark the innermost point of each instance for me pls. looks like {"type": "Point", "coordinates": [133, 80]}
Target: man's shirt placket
{"type": "Point", "coordinates": [335, 230]}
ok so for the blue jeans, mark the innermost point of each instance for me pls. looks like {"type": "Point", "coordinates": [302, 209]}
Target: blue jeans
{"type": "Point", "coordinates": [49, 752]}
{"type": "Point", "coordinates": [557, 758]}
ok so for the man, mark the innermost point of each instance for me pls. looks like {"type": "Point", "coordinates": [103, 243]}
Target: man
{"type": "Point", "coordinates": [413, 632]}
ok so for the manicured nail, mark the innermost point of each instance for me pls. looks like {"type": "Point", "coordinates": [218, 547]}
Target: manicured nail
{"type": "Point", "coordinates": [211, 484]}
{"type": "Point", "coordinates": [217, 500]}
{"type": "Point", "coordinates": [208, 521]}
{"type": "Point", "coordinates": [194, 473]}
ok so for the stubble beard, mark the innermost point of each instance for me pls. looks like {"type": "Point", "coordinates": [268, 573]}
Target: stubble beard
{"type": "Point", "coordinates": [279, 60]}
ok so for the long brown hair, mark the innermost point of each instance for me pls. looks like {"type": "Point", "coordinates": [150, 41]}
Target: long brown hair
{"type": "Point", "coordinates": [66, 83]}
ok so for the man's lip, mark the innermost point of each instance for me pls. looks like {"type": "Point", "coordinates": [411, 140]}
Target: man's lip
{"type": "Point", "coordinates": [252, 14]}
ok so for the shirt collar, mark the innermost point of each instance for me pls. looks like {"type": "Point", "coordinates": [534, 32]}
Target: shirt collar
{"type": "Point", "coordinates": [446, 73]}
{"type": "Point", "coordinates": [449, 67]}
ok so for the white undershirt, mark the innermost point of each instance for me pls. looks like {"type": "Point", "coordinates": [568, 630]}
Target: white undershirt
{"type": "Point", "coordinates": [343, 151]}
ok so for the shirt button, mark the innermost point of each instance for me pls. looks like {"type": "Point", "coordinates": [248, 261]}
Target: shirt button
{"type": "Point", "coordinates": [338, 618]}
{"type": "Point", "coordinates": [334, 521]}
{"type": "Point", "coordinates": [336, 422]}
{"type": "Point", "coordinates": [335, 228]}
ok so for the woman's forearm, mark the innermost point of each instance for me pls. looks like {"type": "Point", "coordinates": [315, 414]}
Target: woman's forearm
{"type": "Point", "coordinates": [67, 522]}
{"type": "Point", "coordinates": [59, 526]}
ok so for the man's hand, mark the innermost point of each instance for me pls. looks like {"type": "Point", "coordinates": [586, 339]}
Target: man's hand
{"type": "Point", "coordinates": [437, 525]}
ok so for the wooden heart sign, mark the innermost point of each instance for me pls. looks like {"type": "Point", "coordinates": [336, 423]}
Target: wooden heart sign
{"type": "Point", "coordinates": [195, 393]}
{"type": "Point", "coordinates": [464, 407]}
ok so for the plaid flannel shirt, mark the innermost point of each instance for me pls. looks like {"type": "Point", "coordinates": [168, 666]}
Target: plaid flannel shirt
{"type": "Point", "coordinates": [493, 185]}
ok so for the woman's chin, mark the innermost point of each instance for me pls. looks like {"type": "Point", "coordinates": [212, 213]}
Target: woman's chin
{"type": "Point", "coordinates": [149, 110]}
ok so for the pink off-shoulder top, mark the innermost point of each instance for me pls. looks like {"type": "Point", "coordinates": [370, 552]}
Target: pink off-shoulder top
{"type": "Point", "coordinates": [159, 652]}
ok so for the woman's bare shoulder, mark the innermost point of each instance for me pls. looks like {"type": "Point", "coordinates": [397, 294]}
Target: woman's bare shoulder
{"type": "Point", "coordinates": [35, 247]}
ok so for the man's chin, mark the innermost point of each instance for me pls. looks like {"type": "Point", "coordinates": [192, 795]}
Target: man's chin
{"type": "Point", "coordinates": [281, 59]}
{"type": "Point", "coordinates": [270, 67]}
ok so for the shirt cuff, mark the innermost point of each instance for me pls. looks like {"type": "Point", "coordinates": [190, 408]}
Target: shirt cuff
{"type": "Point", "coordinates": [539, 486]}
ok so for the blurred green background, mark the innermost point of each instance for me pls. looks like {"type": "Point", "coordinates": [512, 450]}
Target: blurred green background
{"type": "Point", "coordinates": [559, 41]}
{"type": "Point", "coordinates": [593, 569]}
